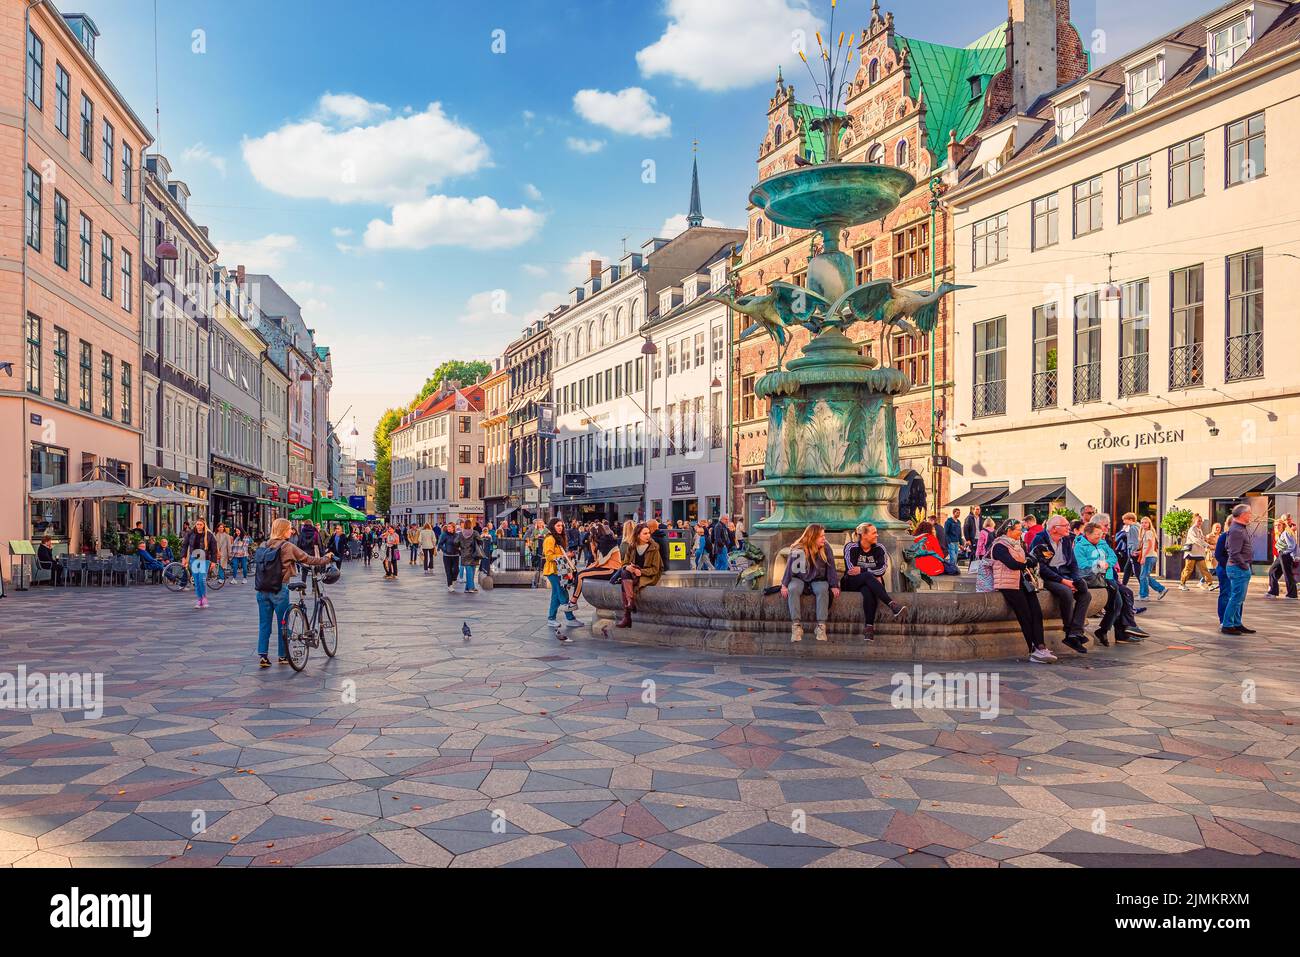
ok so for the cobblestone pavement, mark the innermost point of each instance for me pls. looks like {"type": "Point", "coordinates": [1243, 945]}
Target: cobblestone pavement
{"type": "Point", "coordinates": [420, 746]}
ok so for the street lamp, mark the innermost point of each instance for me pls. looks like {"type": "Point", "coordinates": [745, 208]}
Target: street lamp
{"type": "Point", "coordinates": [648, 348]}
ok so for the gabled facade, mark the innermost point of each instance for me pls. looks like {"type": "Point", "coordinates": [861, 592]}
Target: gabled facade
{"type": "Point", "coordinates": [439, 459]}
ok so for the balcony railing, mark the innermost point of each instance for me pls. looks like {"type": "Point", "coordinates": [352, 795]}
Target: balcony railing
{"type": "Point", "coordinates": [1134, 375]}
{"type": "Point", "coordinates": [1087, 383]}
{"type": "Point", "coordinates": [1045, 389]}
{"type": "Point", "coordinates": [990, 398]}
{"type": "Point", "coordinates": [1245, 357]}
{"type": "Point", "coordinates": [1187, 366]}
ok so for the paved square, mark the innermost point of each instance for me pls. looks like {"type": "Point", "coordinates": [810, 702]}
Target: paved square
{"type": "Point", "coordinates": [418, 746]}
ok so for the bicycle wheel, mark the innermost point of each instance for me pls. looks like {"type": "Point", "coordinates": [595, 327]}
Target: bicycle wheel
{"type": "Point", "coordinates": [216, 577]}
{"type": "Point", "coordinates": [329, 628]}
{"type": "Point", "coordinates": [173, 577]}
{"type": "Point", "coordinates": [296, 638]}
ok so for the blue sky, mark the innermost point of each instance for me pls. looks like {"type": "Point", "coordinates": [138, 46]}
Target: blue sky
{"type": "Point", "coordinates": [307, 132]}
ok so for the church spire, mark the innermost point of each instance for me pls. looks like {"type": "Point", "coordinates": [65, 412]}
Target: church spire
{"type": "Point", "coordinates": [696, 216]}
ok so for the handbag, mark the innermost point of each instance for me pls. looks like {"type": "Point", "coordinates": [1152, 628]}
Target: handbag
{"type": "Point", "coordinates": [983, 575]}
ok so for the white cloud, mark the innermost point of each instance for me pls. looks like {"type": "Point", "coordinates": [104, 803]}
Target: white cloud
{"type": "Point", "coordinates": [453, 221]}
{"type": "Point", "coordinates": [259, 255]}
{"type": "Point", "coordinates": [198, 153]}
{"type": "Point", "coordinates": [578, 269]}
{"type": "Point", "coordinates": [338, 232]}
{"type": "Point", "coordinates": [529, 116]}
{"type": "Point", "coordinates": [579, 145]}
{"type": "Point", "coordinates": [483, 307]}
{"type": "Point", "coordinates": [535, 271]}
{"type": "Point", "coordinates": [676, 225]}
{"type": "Point", "coordinates": [532, 192]}
{"type": "Point", "coordinates": [729, 44]}
{"type": "Point", "coordinates": [631, 111]}
{"type": "Point", "coordinates": [350, 109]}
{"type": "Point", "coordinates": [392, 161]}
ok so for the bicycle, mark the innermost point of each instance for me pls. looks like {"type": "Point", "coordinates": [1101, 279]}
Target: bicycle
{"type": "Point", "coordinates": [319, 629]}
{"type": "Point", "coordinates": [177, 578]}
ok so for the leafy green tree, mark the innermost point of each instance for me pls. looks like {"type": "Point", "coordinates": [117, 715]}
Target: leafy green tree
{"type": "Point", "coordinates": [383, 458]}
{"type": "Point", "coordinates": [453, 370]}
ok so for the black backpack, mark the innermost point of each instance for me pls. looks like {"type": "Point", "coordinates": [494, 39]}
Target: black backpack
{"type": "Point", "coordinates": [268, 569]}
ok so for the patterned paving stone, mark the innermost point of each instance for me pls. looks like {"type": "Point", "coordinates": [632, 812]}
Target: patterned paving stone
{"type": "Point", "coordinates": [435, 733]}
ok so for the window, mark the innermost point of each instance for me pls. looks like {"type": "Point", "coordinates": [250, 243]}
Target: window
{"type": "Point", "coordinates": [912, 356]}
{"type": "Point", "coordinates": [672, 358]}
{"type": "Point", "coordinates": [106, 385]}
{"type": "Point", "coordinates": [912, 252]}
{"type": "Point", "coordinates": [126, 284]}
{"type": "Point", "coordinates": [748, 401]}
{"type": "Point", "coordinates": [717, 346]}
{"type": "Point", "coordinates": [990, 239]}
{"type": "Point", "coordinates": [482, 455]}
{"type": "Point", "coordinates": [873, 71]}
{"type": "Point", "coordinates": [876, 155]}
{"type": "Point", "coordinates": [32, 210]}
{"type": "Point", "coordinates": [1087, 348]}
{"type": "Point", "coordinates": [464, 458]}
{"type": "Point", "coordinates": [1143, 84]}
{"type": "Point", "coordinates": [62, 98]}
{"type": "Point", "coordinates": [1087, 206]}
{"type": "Point", "coordinates": [1187, 171]}
{"type": "Point", "coordinates": [1047, 216]}
{"type": "Point", "coordinates": [464, 487]}
{"type": "Point", "coordinates": [699, 349]}
{"type": "Point", "coordinates": [49, 466]}
{"type": "Point", "coordinates": [1134, 338]}
{"type": "Point", "coordinates": [1245, 350]}
{"type": "Point", "coordinates": [976, 87]}
{"type": "Point", "coordinates": [87, 231]}
{"type": "Point", "coordinates": [1070, 117]}
{"type": "Point", "coordinates": [60, 365]}
{"type": "Point", "coordinates": [863, 264]}
{"type": "Point", "coordinates": [108, 151]}
{"type": "Point", "coordinates": [1045, 356]}
{"type": "Point", "coordinates": [33, 354]}
{"type": "Point", "coordinates": [126, 392]}
{"type": "Point", "coordinates": [1228, 44]}
{"type": "Point", "coordinates": [128, 171]}
{"type": "Point", "coordinates": [758, 229]}
{"type": "Point", "coordinates": [990, 392]}
{"type": "Point", "coordinates": [35, 69]}
{"type": "Point", "coordinates": [106, 265]}
{"type": "Point", "coordinates": [85, 373]}
{"type": "Point", "coordinates": [1246, 150]}
{"type": "Point", "coordinates": [463, 425]}
{"type": "Point", "coordinates": [87, 128]}
{"type": "Point", "coordinates": [60, 230]}
{"type": "Point", "coordinates": [1135, 189]}
{"type": "Point", "coordinates": [1187, 336]}
{"type": "Point", "coordinates": [685, 352]}
{"type": "Point", "coordinates": [901, 153]}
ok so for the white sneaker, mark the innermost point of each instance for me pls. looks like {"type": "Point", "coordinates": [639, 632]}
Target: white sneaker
{"type": "Point", "coordinates": [796, 631]}
{"type": "Point", "coordinates": [552, 623]}
{"type": "Point", "coordinates": [1183, 588]}
{"type": "Point", "coordinates": [820, 632]}
{"type": "Point", "coordinates": [451, 588]}
{"type": "Point", "coordinates": [1042, 656]}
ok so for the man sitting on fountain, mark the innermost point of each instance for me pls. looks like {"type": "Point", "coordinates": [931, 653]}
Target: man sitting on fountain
{"type": "Point", "coordinates": [865, 565]}
{"type": "Point", "coordinates": [811, 568]}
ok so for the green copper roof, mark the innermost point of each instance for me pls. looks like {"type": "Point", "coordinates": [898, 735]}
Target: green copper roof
{"type": "Point", "coordinates": [814, 141]}
{"type": "Point", "coordinates": [942, 75]}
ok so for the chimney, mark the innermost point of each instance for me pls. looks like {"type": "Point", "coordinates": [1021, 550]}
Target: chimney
{"type": "Point", "coordinates": [239, 275]}
{"type": "Point", "coordinates": [1033, 50]}
{"type": "Point", "coordinates": [594, 265]}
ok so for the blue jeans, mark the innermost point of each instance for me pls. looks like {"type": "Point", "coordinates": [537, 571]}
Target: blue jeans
{"type": "Point", "coordinates": [720, 561]}
{"type": "Point", "coordinates": [1146, 582]}
{"type": "Point", "coordinates": [467, 568]}
{"type": "Point", "coordinates": [558, 597]}
{"type": "Point", "coordinates": [201, 586]}
{"type": "Point", "coordinates": [952, 553]}
{"type": "Point", "coordinates": [1225, 592]}
{"type": "Point", "coordinates": [238, 565]}
{"type": "Point", "coordinates": [268, 604]}
{"type": "Point", "coordinates": [1238, 581]}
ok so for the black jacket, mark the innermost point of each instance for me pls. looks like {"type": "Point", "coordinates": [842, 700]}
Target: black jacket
{"type": "Point", "coordinates": [661, 539]}
{"type": "Point", "coordinates": [970, 529]}
{"type": "Point", "coordinates": [1043, 549]}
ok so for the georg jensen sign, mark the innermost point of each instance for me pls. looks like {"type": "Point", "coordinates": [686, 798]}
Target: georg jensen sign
{"type": "Point", "coordinates": [1136, 441]}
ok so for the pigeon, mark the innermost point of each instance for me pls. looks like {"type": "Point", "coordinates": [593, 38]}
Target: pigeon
{"type": "Point", "coordinates": [464, 630]}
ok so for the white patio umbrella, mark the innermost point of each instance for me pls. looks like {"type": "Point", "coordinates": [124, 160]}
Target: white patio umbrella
{"type": "Point", "coordinates": [95, 490]}
{"type": "Point", "coordinates": [157, 495]}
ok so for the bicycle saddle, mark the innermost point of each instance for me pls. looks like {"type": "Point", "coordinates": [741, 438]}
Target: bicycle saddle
{"type": "Point", "coordinates": [297, 586]}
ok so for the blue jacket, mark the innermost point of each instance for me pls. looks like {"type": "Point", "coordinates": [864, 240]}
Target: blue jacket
{"type": "Point", "coordinates": [1043, 548]}
{"type": "Point", "coordinates": [1088, 556]}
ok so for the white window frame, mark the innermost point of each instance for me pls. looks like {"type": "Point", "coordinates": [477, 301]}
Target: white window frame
{"type": "Point", "coordinates": [1226, 57]}
{"type": "Point", "coordinates": [1144, 82]}
{"type": "Point", "coordinates": [1071, 117]}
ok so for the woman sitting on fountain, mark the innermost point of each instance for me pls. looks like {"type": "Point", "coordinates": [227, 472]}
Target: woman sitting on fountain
{"type": "Point", "coordinates": [811, 567]}
{"type": "Point", "coordinates": [642, 566]}
{"type": "Point", "coordinates": [1012, 577]}
{"type": "Point", "coordinates": [605, 548]}
{"type": "Point", "coordinates": [929, 559]}
{"type": "Point", "coordinates": [865, 565]}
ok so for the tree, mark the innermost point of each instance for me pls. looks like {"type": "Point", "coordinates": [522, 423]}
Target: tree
{"type": "Point", "coordinates": [453, 370]}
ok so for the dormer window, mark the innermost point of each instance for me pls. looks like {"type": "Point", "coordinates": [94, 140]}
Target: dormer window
{"type": "Point", "coordinates": [1229, 43]}
{"type": "Point", "coordinates": [976, 87]}
{"type": "Point", "coordinates": [1143, 84]}
{"type": "Point", "coordinates": [1070, 117]}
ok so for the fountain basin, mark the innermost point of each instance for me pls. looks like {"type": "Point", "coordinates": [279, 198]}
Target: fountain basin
{"type": "Point", "coordinates": [938, 625]}
{"type": "Point", "coordinates": [832, 195]}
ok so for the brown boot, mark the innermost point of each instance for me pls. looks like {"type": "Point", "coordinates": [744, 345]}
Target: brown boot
{"type": "Point", "coordinates": [626, 620]}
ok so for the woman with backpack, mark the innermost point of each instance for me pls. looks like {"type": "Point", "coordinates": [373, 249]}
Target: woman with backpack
{"type": "Point", "coordinates": [274, 567]}
{"type": "Point", "coordinates": [810, 567]}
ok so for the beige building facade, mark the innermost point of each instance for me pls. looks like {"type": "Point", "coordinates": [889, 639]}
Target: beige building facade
{"type": "Point", "coordinates": [1133, 246]}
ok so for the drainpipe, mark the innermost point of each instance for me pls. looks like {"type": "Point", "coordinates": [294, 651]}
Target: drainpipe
{"type": "Point", "coordinates": [935, 184]}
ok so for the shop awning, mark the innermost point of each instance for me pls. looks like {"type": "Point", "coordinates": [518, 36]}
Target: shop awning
{"type": "Point", "coordinates": [991, 148]}
{"type": "Point", "coordinates": [985, 495]}
{"type": "Point", "coordinates": [1290, 487]}
{"type": "Point", "coordinates": [1230, 486]}
{"type": "Point", "coordinates": [1029, 494]}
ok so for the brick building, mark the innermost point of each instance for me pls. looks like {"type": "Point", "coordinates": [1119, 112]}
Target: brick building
{"type": "Point", "coordinates": [909, 100]}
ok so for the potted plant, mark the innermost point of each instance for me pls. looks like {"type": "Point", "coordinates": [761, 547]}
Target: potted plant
{"type": "Point", "coordinates": [1069, 513]}
{"type": "Point", "coordinates": [1175, 525]}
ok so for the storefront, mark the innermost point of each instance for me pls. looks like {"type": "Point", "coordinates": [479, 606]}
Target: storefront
{"type": "Point", "coordinates": [235, 494]}
{"type": "Point", "coordinates": [171, 519]}
{"type": "Point", "coordinates": [613, 505]}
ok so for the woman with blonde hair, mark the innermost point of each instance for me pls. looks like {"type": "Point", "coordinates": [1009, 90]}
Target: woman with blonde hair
{"type": "Point", "coordinates": [272, 589]}
{"type": "Point", "coordinates": [810, 567]}
{"type": "Point", "coordinates": [1148, 557]}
